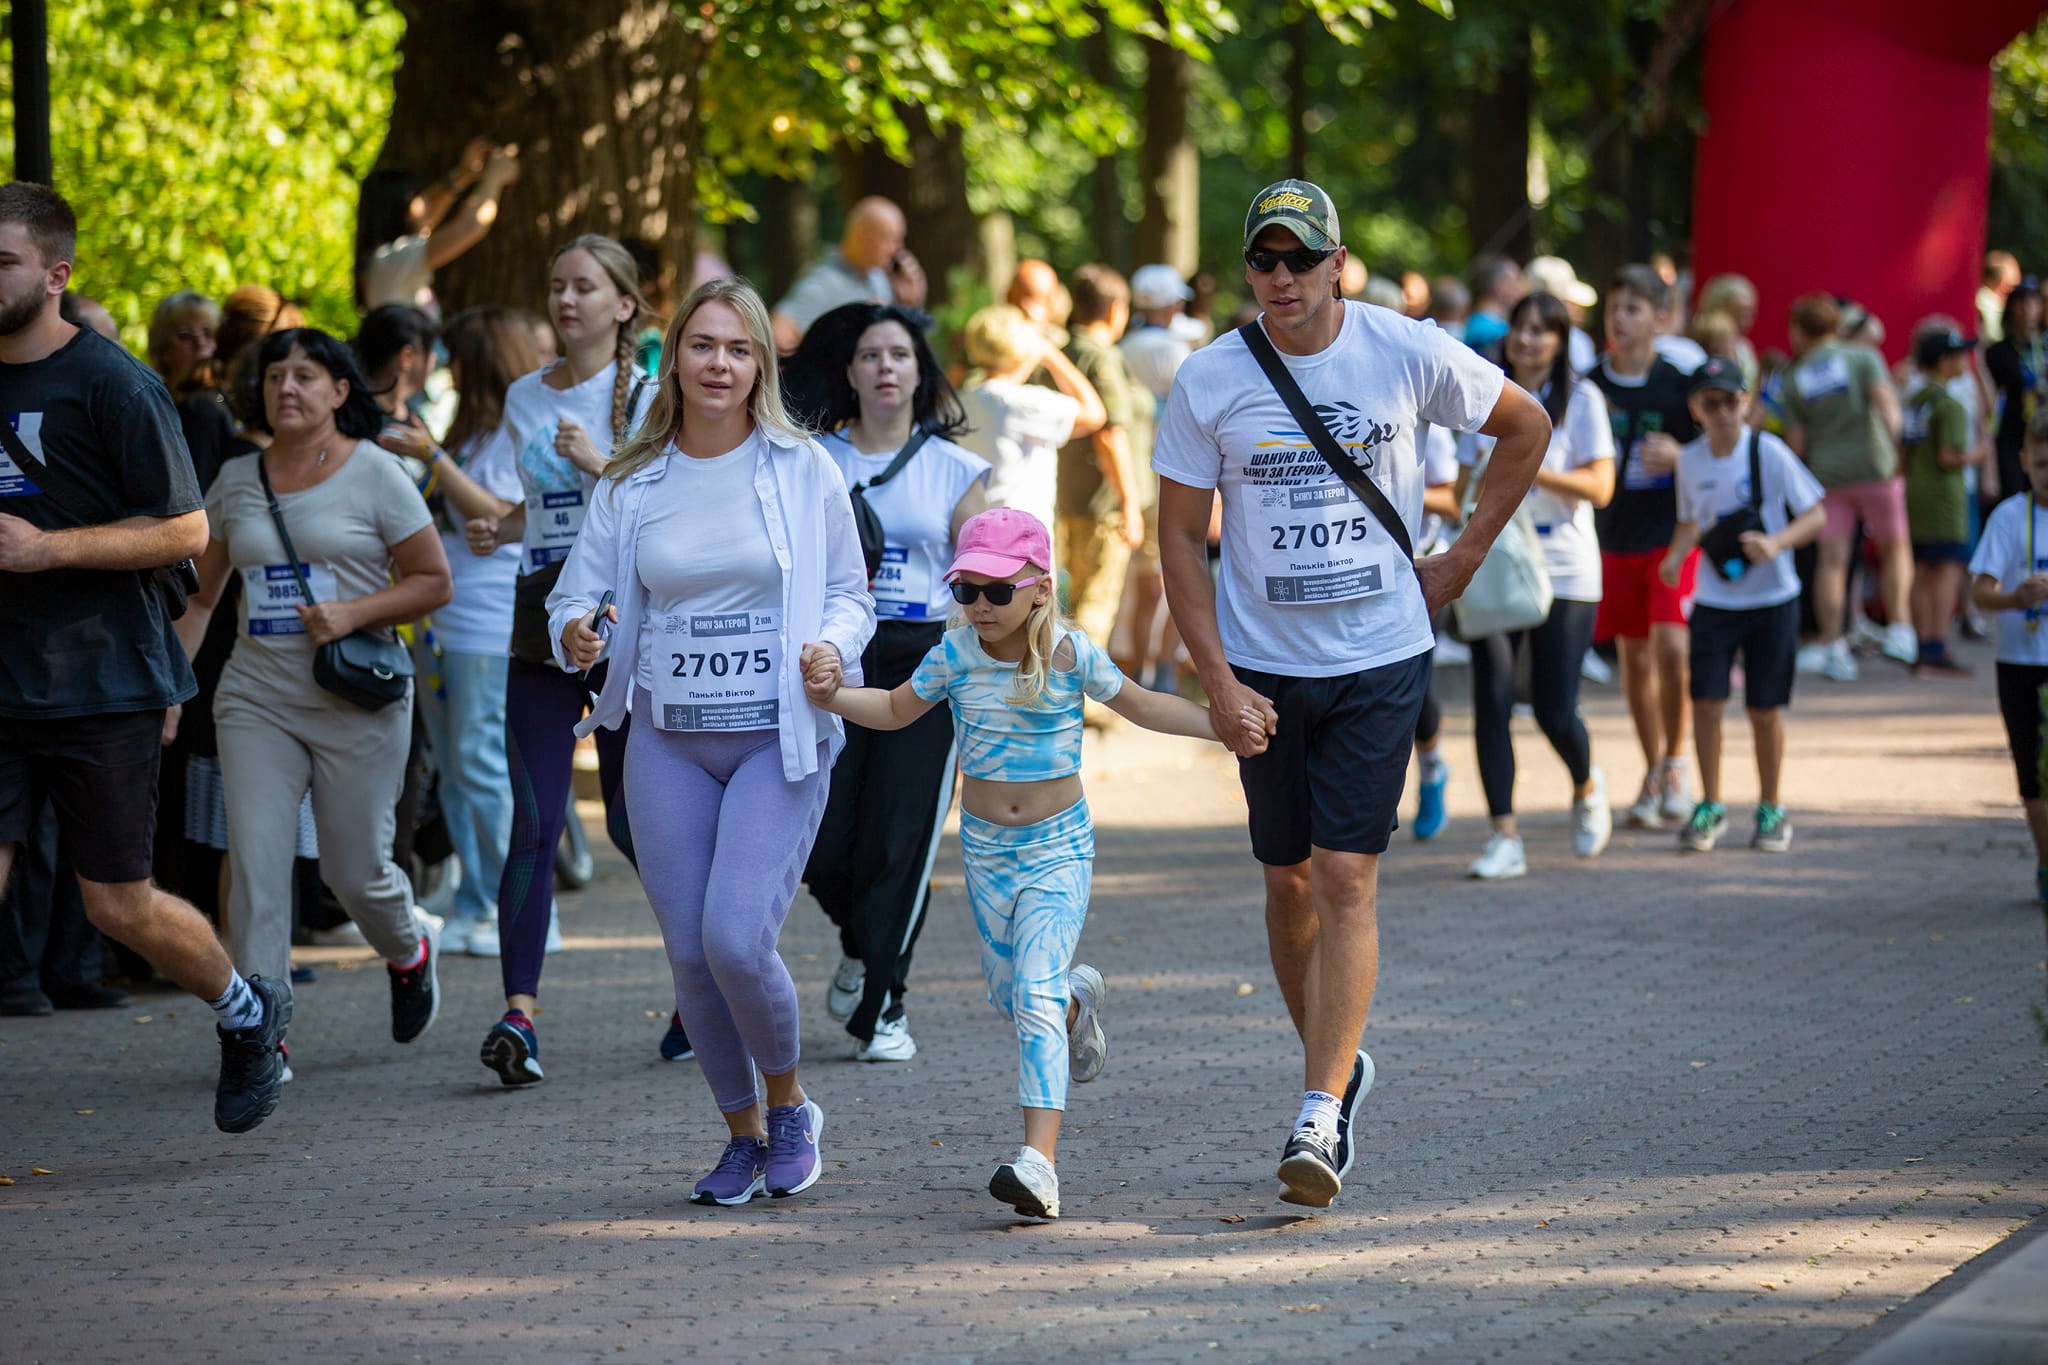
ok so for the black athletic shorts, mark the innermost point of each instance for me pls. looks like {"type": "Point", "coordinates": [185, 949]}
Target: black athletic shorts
{"type": "Point", "coordinates": [100, 774]}
{"type": "Point", "coordinates": [2019, 702]}
{"type": "Point", "coordinates": [1332, 777]}
{"type": "Point", "coordinates": [1768, 638]}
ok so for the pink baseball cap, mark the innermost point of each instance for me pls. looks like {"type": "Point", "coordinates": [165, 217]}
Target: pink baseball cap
{"type": "Point", "coordinates": [999, 542]}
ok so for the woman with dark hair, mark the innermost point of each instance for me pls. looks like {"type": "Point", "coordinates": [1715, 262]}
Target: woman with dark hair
{"type": "Point", "coordinates": [1577, 476]}
{"type": "Point", "coordinates": [878, 392]}
{"type": "Point", "coordinates": [364, 543]}
{"type": "Point", "coordinates": [2019, 374]}
{"type": "Point", "coordinates": [395, 345]}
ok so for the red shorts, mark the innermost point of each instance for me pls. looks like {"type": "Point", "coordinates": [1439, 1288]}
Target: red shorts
{"type": "Point", "coordinates": [1879, 504]}
{"type": "Point", "coordinates": [1633, 598]}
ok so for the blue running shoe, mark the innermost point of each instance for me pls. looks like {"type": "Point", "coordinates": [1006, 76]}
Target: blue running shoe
{"type": "Point", "coordinates": [1430, 816]}
{"type": "Point", "coordinates": [512, 1049]}
{"type": "Point", "coordinates": [675, 1044]}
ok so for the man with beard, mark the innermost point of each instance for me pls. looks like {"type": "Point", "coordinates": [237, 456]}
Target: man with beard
{"type": "Point", "coordinates": [97, 494]}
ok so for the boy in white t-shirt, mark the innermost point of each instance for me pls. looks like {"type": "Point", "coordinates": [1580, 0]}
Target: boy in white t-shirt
{"type": "Point", "coordinates": [1745, 502]}
{"type": "Point", "coordinates": [2009, 575]}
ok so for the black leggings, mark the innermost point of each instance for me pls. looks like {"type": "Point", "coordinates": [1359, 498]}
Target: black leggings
{"type": "Point", "coordinates": [1432, 718]}
{"type": "Point", "coordinates": [2019, 701]}
{"type": "Point", "coordinates": [1556, 649]}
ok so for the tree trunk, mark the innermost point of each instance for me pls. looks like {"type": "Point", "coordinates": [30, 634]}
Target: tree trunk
{"type": "Point", "coordinates": [931, 191]}
{"type": "Point", "coordinates": [599, 95]}
{"type": "Point", "coordinates": [1169, 225]}
{"type": "Point", "coordinates": [785, 242]}
{"type": "Point", "coordinates": [1297, 92]}
{"type": "Point", "coordinates": [1498, 158]}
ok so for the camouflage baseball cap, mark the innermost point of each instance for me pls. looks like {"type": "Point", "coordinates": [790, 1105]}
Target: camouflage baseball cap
{"type": "Point", "coordinates": [1300, 207]}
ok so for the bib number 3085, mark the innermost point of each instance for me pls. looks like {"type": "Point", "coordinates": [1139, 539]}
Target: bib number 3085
{"type": "Point", "coordinates": [718, 671]}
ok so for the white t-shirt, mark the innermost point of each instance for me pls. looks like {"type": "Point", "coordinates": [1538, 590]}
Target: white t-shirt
{"type": "Point", "coordinates": [1439, 466]}
{"type": "Point", "coordinates": [703, 548]}
{"type": "Point", "coordinates": [1687, 354]}
{"type": "Point", "coordinates": [2004, 553]}
{"type": "Point", "coordinates": [1585, 355]}
{"type": "Point", "coordinates": [478, 619]}
{"type": "Point", "coordinates": [398, 273]}
{"type": "Point", "coordinates": [1711, 487]}
{"type": "Point", "coordinates": [1154, 356]}
{"type": "Point", "coordinates": [556, 492]}
{"type": "Point", "coordinates": [1564, 526]}
{"type": "Point", "coordinates": [1019, 429]}
{"type": "Point", "coordinates": [1312, 585]}
{"type": "Point", "coordinates": [916, 508]}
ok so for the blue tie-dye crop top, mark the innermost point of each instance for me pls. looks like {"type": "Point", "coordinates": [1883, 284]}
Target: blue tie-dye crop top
{"type": "Point", "coordinates": [1000, 740]}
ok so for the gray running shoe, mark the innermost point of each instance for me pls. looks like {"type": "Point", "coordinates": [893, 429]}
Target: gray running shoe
{"type": "Point", "coordinates": [1308, 1170]}
{"type": "Point", "coordinates": [1356, 1089]}
{"type": "Point", "coordinates": [1773, 830]}
{"type": "Point", "coordinates": [1709, 822]}
{"type": "Point", "coordinates": [1087, 1045]}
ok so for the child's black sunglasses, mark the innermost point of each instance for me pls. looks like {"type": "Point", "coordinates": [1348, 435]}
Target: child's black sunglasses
{"type": "Point", "coordinates": [998, 594]}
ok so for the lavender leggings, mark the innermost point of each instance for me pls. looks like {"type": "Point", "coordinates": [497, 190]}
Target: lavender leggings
{"type": "Point", "coordinates": [722, 839]}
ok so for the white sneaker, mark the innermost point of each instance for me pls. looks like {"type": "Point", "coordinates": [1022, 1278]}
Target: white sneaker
{"type": "Point", "coordinates": [483, 938]}
{"type": "Point", "coordinates": [1866, 635]}
{"type": "Point", "coordinates": [1452, 653]}
{"type": "Point", "coordinates": [1646, 812]}
{"type": "Point", "coordinates": [1901, 644]}
{"type": "Point", "coordinates": [1840, 664]}
{"type": "Point", "coordinates": [1594, 670]}
{"type": "Point", "coordinates": [1502, 859]}
{"type": "Point", "coordinates": [554, 943]}
{"type": "Point", "coordinates": [892, 1043]}
{"type": "Point", "coordinates": [455, 933]}
{"type": "Point", "coordinates": [1676, 805]}
{"type": "Point", "coordinates": [1812, 659]}
{"type": "Point", "coordinates": [1029, 1185]}
{"type": "Point", "coordinates": [1592, 821]}
{"type": "Point", "coordinates": [842, 997]}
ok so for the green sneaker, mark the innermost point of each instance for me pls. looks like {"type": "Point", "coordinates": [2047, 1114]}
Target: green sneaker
{"type": "Point", "coordinates": [1709, 821]}
{"type": "Point", "coordinates": [1773, 830]}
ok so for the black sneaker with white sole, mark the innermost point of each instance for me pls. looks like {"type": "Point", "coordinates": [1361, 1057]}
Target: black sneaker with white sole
{"type": "Point", "coordinates": [416, 990]}
{"type": "Point", "coordinates": [252, 1063]}
{"type": "Point", "coordinates": [1356, 1089]}
{"type": "Point", "coordinates": [1308, 1170]}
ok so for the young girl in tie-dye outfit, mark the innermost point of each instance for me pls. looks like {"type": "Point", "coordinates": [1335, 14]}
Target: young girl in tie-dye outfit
{"type": "Point", "coordinates": [1016, 678]}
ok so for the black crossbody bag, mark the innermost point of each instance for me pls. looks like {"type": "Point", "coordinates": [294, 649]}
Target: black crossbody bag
{"type": "Point", "coordinates": [1721, 545]}
{"type": "Point", "coordinates": [874, 537]}
{"type": "Point", "coordinates": [174, 583]}
{"type": "Point", "coordinates": [363, 669]}
{"type": "Point", "coordinates": [1341, 464]}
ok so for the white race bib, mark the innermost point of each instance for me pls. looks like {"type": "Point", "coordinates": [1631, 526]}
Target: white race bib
{"type": "Point", "coordinates": [1822, 376]}
{"type": "Point", "coordinates": [719, 672]}
{"type": "Point", "coordinates": [1316, 544]}
{"type": "Point", "coordinates": [272, 592]}
{"type": "Point", "coordinates": [552, 523]}
{"type": "Point", "coordinates": [903, 586]}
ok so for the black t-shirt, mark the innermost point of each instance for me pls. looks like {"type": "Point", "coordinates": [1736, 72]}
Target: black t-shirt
{"type": "Point", "coordinates": [209, 432]}
{"type": "Point", "coordinates": [101, 426]}
{"type": "Point", "coordinates": [1643, 514]}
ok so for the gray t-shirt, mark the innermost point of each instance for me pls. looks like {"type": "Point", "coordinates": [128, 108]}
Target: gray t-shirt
{"type": "Point", "coordinates": [829, 284]}
{"type": "Point", "coordinates": [343, 528]}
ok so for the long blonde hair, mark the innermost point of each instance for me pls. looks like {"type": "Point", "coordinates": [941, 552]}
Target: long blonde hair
{"type": "Point", "coordinates": [664, 424]}
{"type": "Point", "coordinates": [1041, 639]}
{"type": "Point", "coordinates": [617, 262]}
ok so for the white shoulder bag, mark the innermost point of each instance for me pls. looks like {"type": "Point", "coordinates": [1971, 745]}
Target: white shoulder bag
{"type": "Point", "coordinates": [1511, 590]}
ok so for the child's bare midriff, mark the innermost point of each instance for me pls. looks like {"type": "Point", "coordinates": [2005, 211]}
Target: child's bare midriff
{"type": "Point", "coordinates": [1019, 803]}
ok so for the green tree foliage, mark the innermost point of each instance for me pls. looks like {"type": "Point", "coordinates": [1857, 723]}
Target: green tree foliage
{"type": "Point", "coordinates": [211, 143]}
{"type": "Point", "coordinates": [2019, 148]}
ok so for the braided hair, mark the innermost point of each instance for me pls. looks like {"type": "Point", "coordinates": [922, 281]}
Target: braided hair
{"type": "Point", "coordinates": [617, 262]}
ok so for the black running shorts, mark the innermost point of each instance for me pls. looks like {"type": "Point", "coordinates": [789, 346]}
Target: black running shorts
{"type": "Point", "coordinates": [100, 773]}
{"type": "Point", "coordinates": [1332, 777]}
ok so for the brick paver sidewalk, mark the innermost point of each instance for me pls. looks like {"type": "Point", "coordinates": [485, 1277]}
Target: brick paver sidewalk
{"type": "Point", "coordinates": [1731, 1106]}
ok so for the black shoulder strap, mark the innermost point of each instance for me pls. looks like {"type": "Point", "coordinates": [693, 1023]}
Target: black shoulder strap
{"type": "Point", "coordinates": [277, 519]}
{"type": "Point", "coordinates": [910, 448]}
{"type": "Point", "coordinates": [1756, 471]}
{"type": "Point", "coordinates": [1305, 417]}
{"type": "Point", "coordinates": [18, 451]}
{"type": "Point", "coordinates": [633, 402]}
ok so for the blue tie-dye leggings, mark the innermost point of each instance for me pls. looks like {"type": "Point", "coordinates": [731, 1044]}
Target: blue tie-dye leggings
{"type": "Point", "coordinates": [1029, 888]}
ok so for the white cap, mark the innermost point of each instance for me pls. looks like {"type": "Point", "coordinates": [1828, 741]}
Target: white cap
{"type": "Point", "coordinates": [1158, 286]}
{"type": "Point", "coordinates": [1554, 275]}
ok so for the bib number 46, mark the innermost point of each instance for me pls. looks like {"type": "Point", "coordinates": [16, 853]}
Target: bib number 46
{"type": "Point", "coordinates": [1319, 534]}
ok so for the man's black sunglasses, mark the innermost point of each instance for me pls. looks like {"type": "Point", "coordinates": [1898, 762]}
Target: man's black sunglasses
{"type": "Point", "coordinates": [998, 594]}
{"type": "Point", "coordinates": [1299, 261]}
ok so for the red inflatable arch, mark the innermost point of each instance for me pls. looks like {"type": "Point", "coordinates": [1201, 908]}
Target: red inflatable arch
{"type": "Point", "coordinates": [1847, 150]}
